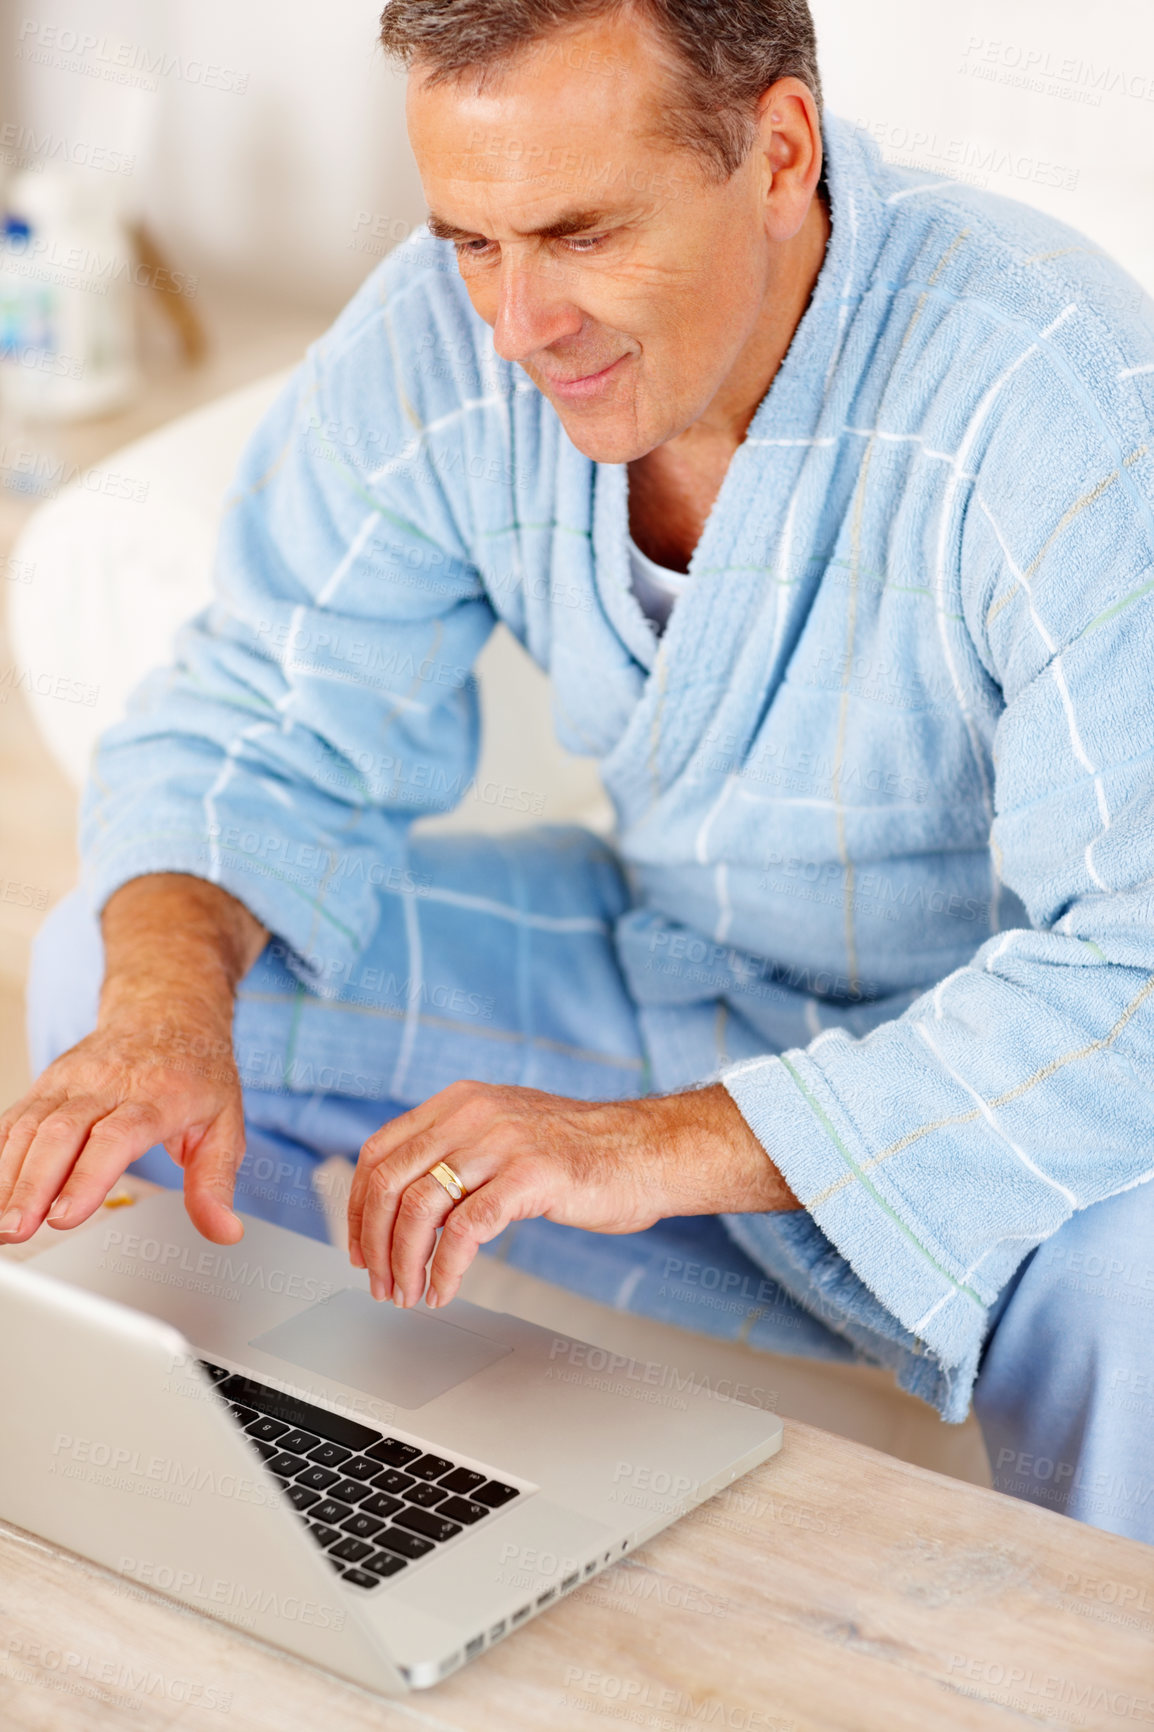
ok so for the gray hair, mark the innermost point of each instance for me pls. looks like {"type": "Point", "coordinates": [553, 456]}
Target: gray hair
{"type": "Point", "coordinates": [725, 52]}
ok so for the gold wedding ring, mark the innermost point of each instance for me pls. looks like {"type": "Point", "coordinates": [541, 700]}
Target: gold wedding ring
{"type": "Point", "coordinates": [448, 1180]}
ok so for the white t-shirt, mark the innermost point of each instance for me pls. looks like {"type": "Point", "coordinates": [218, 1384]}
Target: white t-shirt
{"type": "Point", "coordinates": [655, 587]}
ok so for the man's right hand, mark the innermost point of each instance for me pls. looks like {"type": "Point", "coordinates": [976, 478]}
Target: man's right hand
{"type": "Point", "coordinates": [158, 1067]}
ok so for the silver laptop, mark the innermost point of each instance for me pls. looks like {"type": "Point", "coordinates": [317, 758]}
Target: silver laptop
{"type": "Point", "coordinates": [385, 1493]}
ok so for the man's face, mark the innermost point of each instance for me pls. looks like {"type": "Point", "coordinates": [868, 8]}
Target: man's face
{"type": "Point", "coordinates": [630, 320]}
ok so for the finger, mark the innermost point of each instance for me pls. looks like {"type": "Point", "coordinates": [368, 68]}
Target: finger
{"type": "Point", "coordinates": [20, 1126]}
{"type": "Point", "coordinates": [210, 1170]}
{"type": "Point", "coordinates": [423, 1210]}
{"type": "Point", "coordinates": [113, 1143]}
{"type": "Point", "coordinates": [47, 1145]}
{"type": "Point", "coordinates": [464, 1101]}
{"type": "Point", "coordinates": [384, 1186]}
{"type": "Point", "coordinates": [376, 1150]}
{"type": "Point", "coordinates": [482, 1216]}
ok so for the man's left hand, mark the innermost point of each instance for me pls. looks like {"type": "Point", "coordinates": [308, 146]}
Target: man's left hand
{"type": "Point", "coordinates": [610, 1167]}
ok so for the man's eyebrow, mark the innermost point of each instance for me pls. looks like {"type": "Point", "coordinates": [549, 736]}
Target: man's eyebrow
{"type": "Point", "coordinates": [571, 222]}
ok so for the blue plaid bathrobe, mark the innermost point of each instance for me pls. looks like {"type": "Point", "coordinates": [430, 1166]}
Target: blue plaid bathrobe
{"type": "Point", "coordinates": [884, 853]}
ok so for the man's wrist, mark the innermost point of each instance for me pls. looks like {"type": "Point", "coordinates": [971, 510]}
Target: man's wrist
{"type": "Point", "coordinates": [176, 947]}
{"type": "Point", "coordinates": [746, 1180]}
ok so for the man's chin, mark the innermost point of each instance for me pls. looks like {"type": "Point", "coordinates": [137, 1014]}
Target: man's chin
{"type": "Point", "coordinates": [599, 438]}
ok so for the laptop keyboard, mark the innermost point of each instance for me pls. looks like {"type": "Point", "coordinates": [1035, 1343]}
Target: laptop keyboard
{"type": "Point", "coordinates": [373, 1503]}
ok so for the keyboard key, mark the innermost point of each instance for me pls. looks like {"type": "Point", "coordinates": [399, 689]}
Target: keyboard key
{"type": "Point", "coordinates": [328, 1455]}
{"type": "Point", "coordinates": [423, 1521]}
{"type": "Point", "coordinates": [393, 1452]}
{"type": "Point", "coordinates": [392, 1481]}
{"type": "Point", "coordinates": [302, 1414]}
{"type": "Point", "coordinates": [425, 1496]}
{"type": "Point", "coordinates": [351, 1551]}
{"type": "Point", "coordinates": [216, 1372]}
{"type": "Point", "coordinates": [494, 1493]}
{"type": "Point", "coordinates": [330, 1512]}
{"type": "Point", "coordinates": [430, 1466]}
{"type": "Point", "coordinates": [380, 1505]}
{"type": "Point", "coordinates": [362, 1527]}
{"type": "Point", "coordinates": [361, 1467]}
{"type": "Point", "coordinates": [384, 1564]}
{"type": "Point", "coordinates": [301, 1497]}
{"type": "Point", "coordinates": [286, 1465]}
{"type": "Point", "coordinates": [459, 1509]}
{"type": "Point", "coordinates": [318, 1478]}
{"type": "Point", "coordinates": [409, 1545]}
{"type": "Point", "coordinates": [350, 1491]}
{"type": "Point", "coordinates": [358, 1579]}
{"type": "Point", "coordinates": [302, 1442]}
{"type": "Point", "coordinates": [462, 1479]}
{"type": "Point", "coordinates": [246, 1415]}
{"type": "Point", "coordinates": [324, 1536]}
{"type": "Point", "coordinates": [265, 1429]}
{"type": "Point", "coordinates": [265, 1450]}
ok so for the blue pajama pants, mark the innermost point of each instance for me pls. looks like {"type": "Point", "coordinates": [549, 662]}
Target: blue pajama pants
{"type": "Point", "coordinates": [1065, 1393]}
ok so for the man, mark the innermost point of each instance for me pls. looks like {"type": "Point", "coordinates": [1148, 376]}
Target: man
{"type": "Point", "coordinates": [824, 494]}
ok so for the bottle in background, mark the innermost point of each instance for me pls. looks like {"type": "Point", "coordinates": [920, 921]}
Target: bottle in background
{"type": "Point", "coordinates": [67, 319]}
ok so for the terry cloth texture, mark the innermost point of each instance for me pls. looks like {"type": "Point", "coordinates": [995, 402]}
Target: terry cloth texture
{"type": "Point", "coordinates": [883, 786]}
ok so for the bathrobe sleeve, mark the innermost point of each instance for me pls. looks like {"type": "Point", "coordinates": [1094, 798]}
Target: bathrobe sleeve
{"type": "Point", "coordinates": [324, 698]}
{"type": "Point", "coordinates": [938, 1150]}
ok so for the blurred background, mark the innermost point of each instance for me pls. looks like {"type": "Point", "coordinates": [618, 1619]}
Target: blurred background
{"type": "Point", "coordinates": [236, 170]}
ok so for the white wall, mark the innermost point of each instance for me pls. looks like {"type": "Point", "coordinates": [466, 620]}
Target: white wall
{"type": "Point", "coordinates": [266, 183]}
{"type": "Point", "coordinates": [271, 126]}
{"type": "Point", "coordinates": [1001, 91]}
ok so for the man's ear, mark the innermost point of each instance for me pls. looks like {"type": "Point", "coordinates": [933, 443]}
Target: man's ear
{"type": "Point", "coordinates": [789, 140]}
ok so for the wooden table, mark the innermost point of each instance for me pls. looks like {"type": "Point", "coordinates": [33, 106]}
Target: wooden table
{"type": "Point", "coordinates": [833, 1590]}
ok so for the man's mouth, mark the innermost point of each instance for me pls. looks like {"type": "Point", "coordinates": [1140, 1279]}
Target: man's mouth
{"type": "Point", "coordinates": [579, 387]}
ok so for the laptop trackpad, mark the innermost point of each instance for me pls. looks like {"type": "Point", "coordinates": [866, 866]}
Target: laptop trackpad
{"type": "Point", "coordinates": [403, 1357]}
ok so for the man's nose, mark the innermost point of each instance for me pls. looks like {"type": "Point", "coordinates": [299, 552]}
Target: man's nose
{"type": "Point", "coordinates": [534, 309]}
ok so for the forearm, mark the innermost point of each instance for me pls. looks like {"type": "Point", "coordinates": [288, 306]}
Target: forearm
{"type": "Point", "coordinates": [727, 1170]}
{"type": "Point", "coordinates": [171, 938]}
